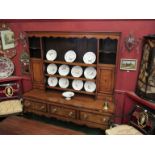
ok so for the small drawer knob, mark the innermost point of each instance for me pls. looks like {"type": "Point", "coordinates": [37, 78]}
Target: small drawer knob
{"type": "Point", "coordinates": [104, 120]}
{"type": "Point", "coordinates": [42, 107]}
{"type": "Point", "coordinates": [54, 110]}
{"type": "Point", "coordinates": [27, 104]}
{"type": "Point", "coordinates": [85, 116]}
{"type": "Point", "coordinates": [70, 114]}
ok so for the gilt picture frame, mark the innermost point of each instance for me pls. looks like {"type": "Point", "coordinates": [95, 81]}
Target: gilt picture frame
{"type": "Point", "coordinates": [8, 39]}
{"type": "Point", "coordinates": [128, 64]}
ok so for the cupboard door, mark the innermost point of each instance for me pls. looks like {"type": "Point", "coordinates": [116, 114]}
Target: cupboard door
{"type": "Point", "coordinates": [106, 79]}
{"type": "Point", "coordinates": [37, 73]}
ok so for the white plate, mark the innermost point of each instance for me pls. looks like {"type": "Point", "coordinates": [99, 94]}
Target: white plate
{"type": "Point", "coordinates": [70, 56]}
{"type": "Point", "coordinates": [90, 73]}
{"type": "Point", "coordinates": [90, 86]}
{"type": "Point", "coordinates": [76, 71]}
{"type": "Point", "coordinates": [68, 95]}
{"type": "Point", "coordinates": [52, 69]}
{"type": "Point", "coordinates": [89, 58]}
{"type": "Point", "coordinates": [64, 70]}
{"type": "Point", "coordinates": [6, 67]}
{"type": "Point", "coordinates": [63, 82]}
{"type": "Point", "coordinates": [77, 84]}
{"type": "Point", "coordinates": [52, 81]}
{"type": "Point", "coordinates": [51, 55]}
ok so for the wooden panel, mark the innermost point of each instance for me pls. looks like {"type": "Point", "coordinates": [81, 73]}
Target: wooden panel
{"type": "Point", "coordinates": [101, 119]}
{"type": "Point", "coordinates": [37, 73]}
{"type": "Point", "coordinates": [97, 35]}
{"type": "Point", "coordinates": [106, 79]}
{"type": "Point", "coordinates": [70, 113]}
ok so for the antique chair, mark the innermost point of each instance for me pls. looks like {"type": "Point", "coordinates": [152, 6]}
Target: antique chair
{"type": "Point", "coordinates": [141, 121]}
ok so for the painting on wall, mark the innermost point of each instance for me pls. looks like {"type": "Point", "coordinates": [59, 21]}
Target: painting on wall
{"type": "Point", "coordinates": [128, 64]}
{"type": "Point", "coordinates": [8, 39]}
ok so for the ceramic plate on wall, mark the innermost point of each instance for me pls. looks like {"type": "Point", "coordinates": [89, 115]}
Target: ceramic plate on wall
{"type": "Point", "coordinates": [63, 82]}
{"type": "Point", "coordinates": [90, 86]}
{"type": "Point", "coordinates": [76, 71]}
{"type": "Point", "coordinates": [6, 67]}
{"type": "Point", "coordinates": [70, 56]}
{"type": "Point", "coordinates": [64, 70]}
{"type": "Point", "coordinates": [90, 73]}
{"type": "Point", "coordinates": [51, 55]}
{"type": "Point", "coordinates": [89, 58]}
{"type": "Point", "coordinates": [52, 81]}
{"type": "Point", "coordinates": [77, 84]}
{"type": "Point", "coordinates": [52, 69]}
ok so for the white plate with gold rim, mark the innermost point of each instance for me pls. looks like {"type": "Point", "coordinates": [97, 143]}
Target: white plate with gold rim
{"type": "Point", "coordinates": [63, 83]}
{"type": "Point", "coordinates": [77, 84]}
{"type": "Point", "coordinates": [64, 70]}
{"type": "Point", "coordinates": [76, 71]}
{"type": "Point", "coordinates": [52, 69]}
{"type": "Point", "coordinates": [90, 86]}
{"type": "Point", "coordinates": [89, 58]}
{"type": "Point", "coordinates": [52, 81]}
{"type": "Point", "coordinates": [70, 56]}
{"type": "Point", "coordinates": [90, 73]}
{"type": "Point", "coordinates": [51, 55]}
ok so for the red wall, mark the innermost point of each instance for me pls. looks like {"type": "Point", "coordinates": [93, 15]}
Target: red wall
{"type": "Point", "coordinates": [124, 80]}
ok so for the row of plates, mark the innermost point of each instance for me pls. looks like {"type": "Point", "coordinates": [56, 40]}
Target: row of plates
{"type": "Point", "coordinates": [76, 71]}
{"type": "Point", "coordinates": [70, 56]}
{"type": "Point", "coordinates": [89, 86]}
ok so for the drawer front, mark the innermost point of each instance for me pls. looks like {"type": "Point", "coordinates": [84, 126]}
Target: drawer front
{"type": "Point", "coordinates": [61, 111]}
{"type": "Point", "coordinates": [101, 119]}
{"type": "Point", "coordinates": [35, 105]}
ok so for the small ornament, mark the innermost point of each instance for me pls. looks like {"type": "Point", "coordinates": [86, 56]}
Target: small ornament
{"type": "Point", "coordinates": [131, 42]}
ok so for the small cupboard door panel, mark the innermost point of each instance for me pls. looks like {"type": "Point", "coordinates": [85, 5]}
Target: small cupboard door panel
{"type": "Point", "coordinates": [106, 76]}
{"type": "Point", "coordinates": [37, 73]}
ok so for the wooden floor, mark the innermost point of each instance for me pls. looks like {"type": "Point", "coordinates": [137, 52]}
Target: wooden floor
{"type": "Point", "coordinates": [15, 125]}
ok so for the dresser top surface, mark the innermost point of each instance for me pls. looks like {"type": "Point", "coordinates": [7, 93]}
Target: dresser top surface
{"type": "Point", "coordinates": [81, 101]}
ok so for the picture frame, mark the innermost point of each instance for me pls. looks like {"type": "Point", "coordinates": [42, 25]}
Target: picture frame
{"type": "Point", "coordinates": [128, 64]}
{"type": "Point", "coordinates": [8, 39]}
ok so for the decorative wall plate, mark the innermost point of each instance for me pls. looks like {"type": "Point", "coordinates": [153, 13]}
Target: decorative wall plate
{"type": "Point", "coordinates": [64, 70]}
{"type": "Point", "coordinates": [70, 56]}
{"type": "Point", "coordinates": [6, 67]}
{"type": "Point", "coordinates": [63, 82]}
{"type": "Point", "coordinates": [90, 73]}
{"type": "Point", "coordinates": [52, 81]}
{"type": "Point", "coordinates": [51, 55]}
{"type": "Point", "coordinates": [77, 84]}
{"type": "Point", "coordinates": [52, 69]}
{"type": "Point", "coordinates": [90, 86]}
{"type": "Point", "coordinates": [89, 58]}
{"type": "Point", "coordinates": [76, 71]}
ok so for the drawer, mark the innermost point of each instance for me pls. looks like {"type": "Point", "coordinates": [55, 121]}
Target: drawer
{"type": "Point", "coordinates": [35, 105]}
{"type": "Point", "coordinates": [95, 118]}
{"type": "Point", "coordinates": [61, 111]}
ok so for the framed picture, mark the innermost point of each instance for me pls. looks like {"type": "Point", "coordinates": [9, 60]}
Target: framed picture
{"type": "Point", "coordinates": [8, 41]}
{"type": "Point", "coordinates": [128, 64]}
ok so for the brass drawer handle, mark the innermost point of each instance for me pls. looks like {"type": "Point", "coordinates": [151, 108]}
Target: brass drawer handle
{"type": "Point", "coordinates": [70, 114]}
{"type": "Point", "coordinates": [85, 116]}
{"type": "Point", "coordinates": [104, 120]}
{"type": "Point", "coordinates": [42, 107]}
{"type": "Point", "coordinates": [27, 104]}
{"type": "Point", "coordinates": [54, 110]}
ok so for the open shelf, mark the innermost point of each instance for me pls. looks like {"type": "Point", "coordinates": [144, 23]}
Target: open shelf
{"type": "Point", "coordinates": [70, 77]}
{"type": "Point", "coordinates": [70, 63]}
{"type": "Point", "coordinates": [69, 89]}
